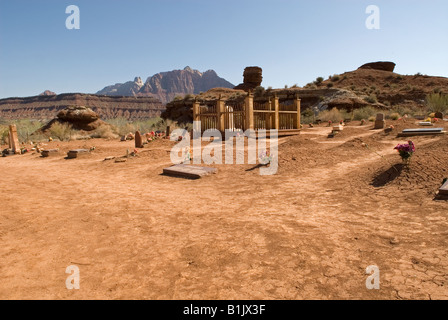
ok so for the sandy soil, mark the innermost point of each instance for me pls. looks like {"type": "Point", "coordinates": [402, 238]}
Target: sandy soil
{"type": "Point", "coordinates": [308, 232]}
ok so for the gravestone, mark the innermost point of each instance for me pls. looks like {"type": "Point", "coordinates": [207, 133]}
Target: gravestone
{"type": "Point", "coordinates": [188, 171]}
{"type": "Point", "coordinates": [13, 139]}
{"type": "Point", "coordinates": [168, 131]}
{"type": "Point", "coordinates": [444, 188]}
{"type": "Point", "coordinates": [138, 140]}
{"type": "Point", "coordinates": [421, 132]}
{"type": "Point", "coordinates": [380, 123]}
{"type": "Point", "coordinates": [338, 128]}
{"type": "Point", "coordinates": [73, 154]}
{"type": "Point", "coordinates": [49, 152]}
{"type": "Point", "coordinates": [438, 115]}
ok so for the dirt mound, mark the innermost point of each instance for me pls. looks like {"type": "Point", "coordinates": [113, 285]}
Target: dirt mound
{"type": "Point", "coordinates": [425, 173]}
{"type": "Point", "coordinates": [389, 88]}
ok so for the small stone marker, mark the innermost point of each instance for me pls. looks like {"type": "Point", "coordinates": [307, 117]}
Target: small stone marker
{"type": "Point", "coordinates": [49, 152]}
{"type": "Point", "coordinates": [338, 128]}
{"type": "Point", "coordinates": [425, 123]}
{"type": "Point", "coordinates": [444, 188]}
{"type": "Point", "coordinates": [73, 154]}
{"type": "Point", "coordinates": [13, 139]}
{"type": "Point", "coordinates": [138, 140]}
{"type": "Point", "coordinates": [188, 171]}
{"type": "Point", "coordinates": [380, 123]}
{"type": "Point", "coordinates": [438, 115]}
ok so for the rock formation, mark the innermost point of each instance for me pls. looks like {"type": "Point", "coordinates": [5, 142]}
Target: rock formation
{"type": "Point", "coordinates": [80, 118]}
{"type": "Point", "coordinates": [252, 79]}
{"type": "Point", "coordinates": [381, 65]}
{"type": "Point", "coordinates": [48, 93]}
{"type": "Point", "coordinates": [107, 107]}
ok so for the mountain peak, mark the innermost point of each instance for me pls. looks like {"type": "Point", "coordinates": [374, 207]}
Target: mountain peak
{"type": "Point", "coordinates": [167, 85]}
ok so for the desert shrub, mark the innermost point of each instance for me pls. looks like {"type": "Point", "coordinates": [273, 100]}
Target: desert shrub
{"type": "Point", "coordinates": [371, 99]}
{"type": "Point", "coordinates": [330, 85]}
{"type": "Point", "coordinates": [437, 102]}
{"type": "Point", "coordinates": [307, 116]}
{"type": "Point", "coordinates": [394, 116]}
{"type": "Point", "coordinates": [372, 118]}
{"type": "Point", "coordinates": [353, 87]}
{"type": "Point", "coordinates": [335, 115]}
{"type": "Point", "coordinates": [387, 85]}
{"type": "Point", "coordinates": [319, 80]}
{"type": "Point", "coordinates": [4, 132]}
{"type": "Point", "coordinates": [404, 110]}
{"type": "Point", "coordinates": [335, 78]}
{"type": "Point", "coordinates": [105, 132]}
{"type": "Point", "coordinates": [259, 91]}
{"type": "Point", "coordinates": [61, 131]}
{"type": "Point", "coordinates": [363, 113]}
{"type": "Point", "coordinates": [26, 127]}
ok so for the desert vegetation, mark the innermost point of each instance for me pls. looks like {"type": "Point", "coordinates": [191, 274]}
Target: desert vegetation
{"type": "Point", "coordinates": [437, 102]}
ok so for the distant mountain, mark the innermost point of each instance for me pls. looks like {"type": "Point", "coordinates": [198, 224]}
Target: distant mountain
{"type": "Point", "coordinates": [166, 85]}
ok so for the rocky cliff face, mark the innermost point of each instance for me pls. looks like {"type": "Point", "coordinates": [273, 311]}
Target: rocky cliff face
{"type": "Point", "coordinates": [130, 88]}
{"type": "Point", "coordinates": [166, 85]}
{"type": "Point", "coordinates": [107, 107]}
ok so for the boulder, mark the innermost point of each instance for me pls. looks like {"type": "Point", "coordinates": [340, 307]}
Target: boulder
{"type": "Point", "coordinates": [80, 118]}
{"type": "Point", "coordinates": [78, 115]}
{"type": "Point", "coordinates": [381, 65]}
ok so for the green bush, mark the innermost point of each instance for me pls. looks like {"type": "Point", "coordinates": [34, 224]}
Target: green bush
{"type": "Point", "coordinates": [371, 99]}
{"type": "Point", "coordinates": [335, 115]}
{"type": "Point", "coordinates": [4, 133]}
{"type": "Point", "coordinates": [61, 131]}
{"type": "Point", "coordinates": [437, 102]}
{"type": "Point", "coordinates": [335, 78]}
{"type": "Point", "coordinates": [259, 91]}
{"type": "Point", "coordinates": [319, 80]}
{"type": "Point", "coordinates": [363, 113]}
{"type": "Point", "coordinates": [394, 116]}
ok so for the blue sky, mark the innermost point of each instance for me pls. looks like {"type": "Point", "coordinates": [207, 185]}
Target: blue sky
{"type": "Point", "coordinates": [293, 41]}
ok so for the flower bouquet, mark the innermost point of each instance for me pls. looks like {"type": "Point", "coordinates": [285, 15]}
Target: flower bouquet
{"type": "Point", "coordinates": [406, 151]}
{"type": "Point", "coordinates": [265, 158]}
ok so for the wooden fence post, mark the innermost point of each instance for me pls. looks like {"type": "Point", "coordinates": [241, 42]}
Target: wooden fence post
{"type": "Point", "coordinates": [196, 115]}
{"type": "Point", "coordinates": [268, 115]}
{"type": "Point", "coordinates": [297, 105]}
{"type": "Point", "coordinates": [276, 116]}
{"type": "Point", "coordinates": [249, 110]}
{"type": "Point", "coordinates": [220, 109]}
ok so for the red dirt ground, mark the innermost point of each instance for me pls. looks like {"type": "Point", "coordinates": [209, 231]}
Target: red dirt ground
{"type": "Point", "coordinates": [308, 232]}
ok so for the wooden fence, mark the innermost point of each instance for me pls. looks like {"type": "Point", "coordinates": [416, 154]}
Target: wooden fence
{"type": "Point", "coordinates": [273, 113]}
